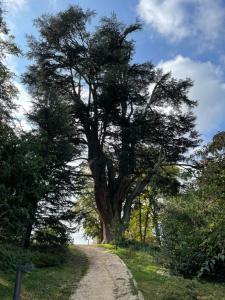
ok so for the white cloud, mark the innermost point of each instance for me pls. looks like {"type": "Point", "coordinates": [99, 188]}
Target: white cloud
{"type": "Point", "coordinates": [15, 5]}
{"type": "Point", "coordinates": [24, 106]}
{"type": "Point", "coordinates": [23, 101]}
{"type": "Point", "coordinates": [11, 63]}
{"type": "Point", "coordinates": [179, 19]}
{"type": "Point", "coordinates": [52, 3]}
{"type": "Point", "coordinates": [209, 90]}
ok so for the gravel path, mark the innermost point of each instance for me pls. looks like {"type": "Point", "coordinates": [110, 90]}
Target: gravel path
{"type": "Point", "coordinates": [107, 278]}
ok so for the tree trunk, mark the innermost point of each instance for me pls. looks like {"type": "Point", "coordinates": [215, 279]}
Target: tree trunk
{"type": "Point", "coordinates": [156, 227]}
{"type": "Point", "coordinates": [105, 212]}
{"type": "Point", "coordinates": [146, 221]}
{"type": "Point", "coordinates": [100, 235]}
{"type": "Point", "coordinates": [31, 221]}
{"type": "Point", "coordinates": [107, 233]}
{"type": "Point", "coordinates": [155, 217]}
{"type": "Point", "coordinates": [140, 221]}
{"type": "Point", "coordinates": [112, 231]}
{"type": "Point", "coordinates": [26, 241]}
{"type": "Point", "coordinates": [110, 192]}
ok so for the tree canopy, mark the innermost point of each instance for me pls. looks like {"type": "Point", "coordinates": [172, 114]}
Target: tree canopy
{"type": "Point", "coordinates": [130, 118]}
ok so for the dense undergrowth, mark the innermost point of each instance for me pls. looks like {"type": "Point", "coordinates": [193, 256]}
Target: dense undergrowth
{"type": "Point", "coordinates": [36, 257]}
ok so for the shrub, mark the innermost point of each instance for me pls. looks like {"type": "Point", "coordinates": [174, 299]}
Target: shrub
{"type": "Point", "coordinates": [55, 236]}
{"type": "Point", "coordinates": [38, 256]}
{"type": "Point", "coordinates": [11, 257]}
{"type": "Point", "coordinates": [42, 260]}
{"type": "Point", "coordinates": [193, 235]}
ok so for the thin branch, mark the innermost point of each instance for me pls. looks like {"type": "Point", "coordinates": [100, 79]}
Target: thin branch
{"type": "Point", "coordinates": [153, 92]}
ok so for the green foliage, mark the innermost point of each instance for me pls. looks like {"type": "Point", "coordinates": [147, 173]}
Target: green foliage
{"type": "Point", "coordinates": [193, 223]}
{"type": "Point", "coordinates": [146, 212]}
{"type": "Point", "coordinates": [19, 180]}
{"type": "Point", "coordinates": [53, 235]}
{"type": "Point", "coordinates": [183, 225]}
{"type": "Point", "coordinates": [141, 226]}
{"type": "Point", "coordinates": [193, 235]}
{"type": "Point", "coordinates": [36, 181]}
{"type": "Point", "coordinates": [11, 257]}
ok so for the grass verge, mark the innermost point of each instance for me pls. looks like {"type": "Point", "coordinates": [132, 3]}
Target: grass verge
{"type": "Point", "coordinates": [155, 282]}
{"type": "Point", "coordinates": [46, 283]}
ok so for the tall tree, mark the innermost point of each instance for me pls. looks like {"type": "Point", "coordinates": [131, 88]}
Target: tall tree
{"type": "Point", "coordinates": [36, 181]}
{"type": "Point", "coordinates": [9, 142]}
{"type": "Point", "coordinates": [53, 140]}
{"type": "Point", "coordinates": [130, 117]}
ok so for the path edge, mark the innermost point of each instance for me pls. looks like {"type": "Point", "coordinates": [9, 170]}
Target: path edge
{"type": "Point", "coordinates": [140, 295]}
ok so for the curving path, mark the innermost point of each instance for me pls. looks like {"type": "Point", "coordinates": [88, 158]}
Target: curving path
{"type": "Point", "coordinates": [107, 278]}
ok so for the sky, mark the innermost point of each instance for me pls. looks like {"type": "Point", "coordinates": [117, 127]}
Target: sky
{"type": "Point", "coordinates": [186, 37]}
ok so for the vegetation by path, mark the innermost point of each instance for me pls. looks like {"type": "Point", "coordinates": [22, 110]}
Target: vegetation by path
{"type": "Point", "coordinates": [156, 283]}
{"type": "Point", "coordinates": [47, 283]}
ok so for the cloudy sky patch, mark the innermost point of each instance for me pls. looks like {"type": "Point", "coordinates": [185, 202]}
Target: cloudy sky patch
{"type": "Point", "coordinates": [208, 89]}
{"type": "Point", "coordinates": [180, 19]}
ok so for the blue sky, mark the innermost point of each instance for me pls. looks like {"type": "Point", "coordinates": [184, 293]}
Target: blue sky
{"type": "Point", "coordinates": [183, 36]}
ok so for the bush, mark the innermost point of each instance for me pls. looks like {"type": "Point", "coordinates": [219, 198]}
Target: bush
{"type": "Point", "coordinates": [193, 235]}
{"type": "Point", "coordinates": [55, 236]}
{"type": "Point", "coordinates": [49, 256]}
{"type": "Point", "coordinates": [11, 257]}
{"type": "Point", "coordinates": [139, 246]}
{"type": "Point", "coordinates": [43, 260]}
{"type": "Point", "coordinates": [39, 256]}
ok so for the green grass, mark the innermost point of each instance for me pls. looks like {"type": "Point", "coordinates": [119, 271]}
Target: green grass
{"type": "Point", "coordinates": [47, 283]}
{"type": "Point", "coordinates": [156, 283]}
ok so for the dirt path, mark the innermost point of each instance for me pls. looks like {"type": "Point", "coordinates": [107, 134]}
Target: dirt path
{"type": "Point", "coordinates": [107, 278]}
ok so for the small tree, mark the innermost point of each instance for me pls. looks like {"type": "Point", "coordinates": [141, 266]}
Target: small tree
{"type": "Point", "coordinates": [131, 118]}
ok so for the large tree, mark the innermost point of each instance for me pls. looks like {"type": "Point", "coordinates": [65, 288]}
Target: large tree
{"type": "Point", "coordinates": [52, 140]}
{"type": "Point", "coordinates": [130, 117]}
{"type": "Point", "coordinates": [36, 181]}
